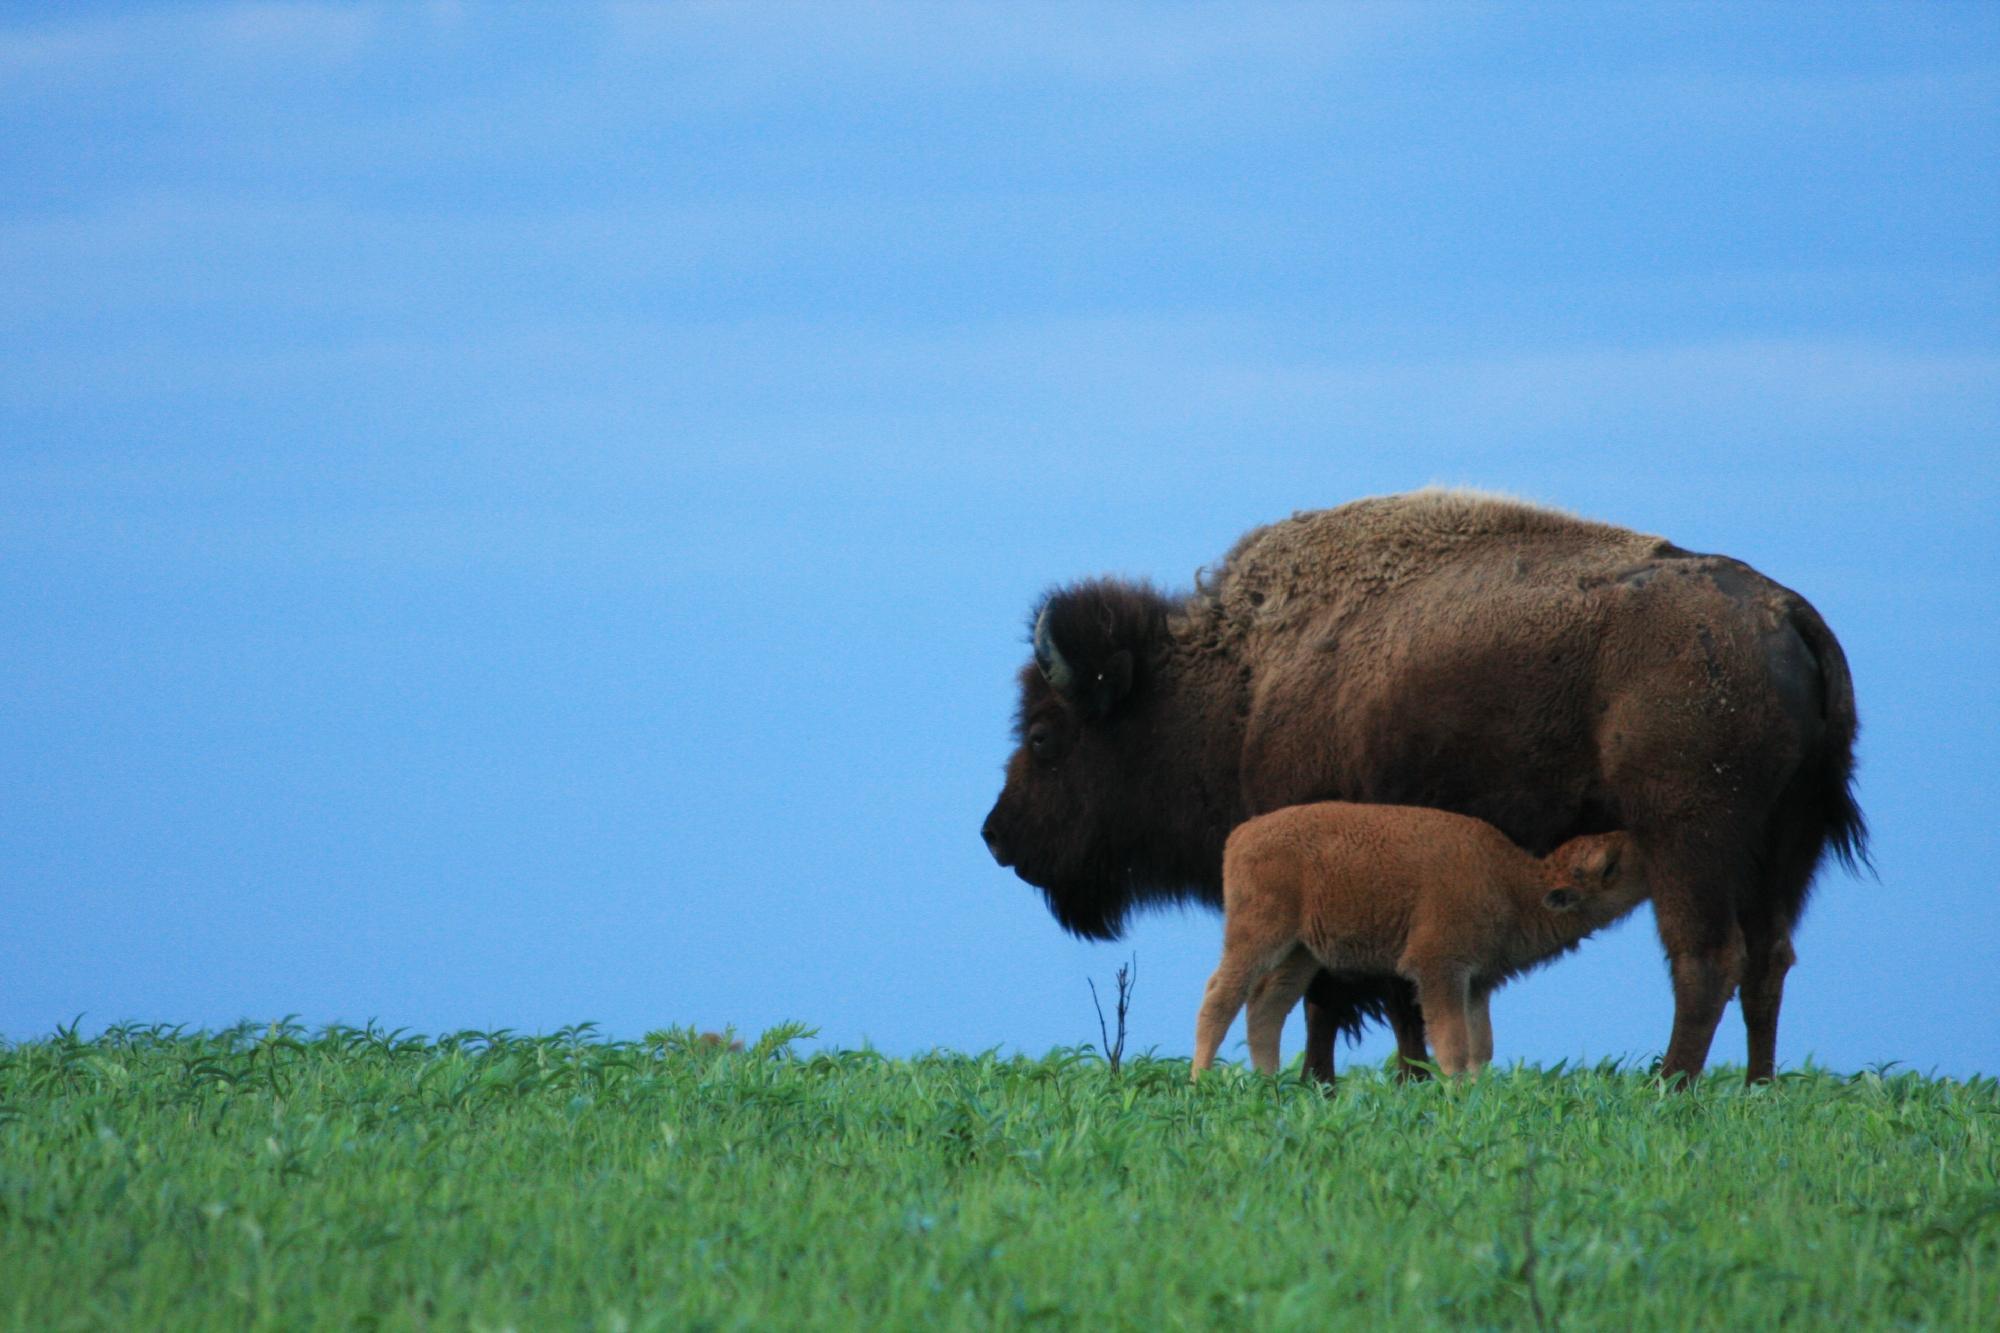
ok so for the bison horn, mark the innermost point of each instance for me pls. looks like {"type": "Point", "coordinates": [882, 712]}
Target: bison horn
{"type": "Point", "coordinates": [1056, 671]}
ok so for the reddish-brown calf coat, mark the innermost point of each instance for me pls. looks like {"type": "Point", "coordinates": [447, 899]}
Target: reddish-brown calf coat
{"type": "Point", "coordinates": [1442, 900]}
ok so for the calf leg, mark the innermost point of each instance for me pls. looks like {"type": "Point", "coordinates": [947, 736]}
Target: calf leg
{"type": "Point", "coordinates": [1271, 999]}
{"type": "Point", "coordinates": [1479, 1029]}
{"type": "Point", "coordinates": [1443, 994]}
{"type": "Point", "coordinates": [1226, 991]}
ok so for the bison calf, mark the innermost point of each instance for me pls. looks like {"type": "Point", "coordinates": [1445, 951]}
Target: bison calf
{"type": "Point", "coordinates": [1441, 899]}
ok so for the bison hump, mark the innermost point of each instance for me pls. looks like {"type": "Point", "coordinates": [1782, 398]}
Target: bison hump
{"type": "Point", "coordinates": [1303, 567]}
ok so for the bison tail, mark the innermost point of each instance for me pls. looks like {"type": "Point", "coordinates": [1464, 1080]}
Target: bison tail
{"type": "Point", "coordinates": [1846, 828]}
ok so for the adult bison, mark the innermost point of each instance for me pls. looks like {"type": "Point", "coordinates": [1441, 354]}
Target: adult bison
{"type": "Point", "coordinates": [1550, 675]}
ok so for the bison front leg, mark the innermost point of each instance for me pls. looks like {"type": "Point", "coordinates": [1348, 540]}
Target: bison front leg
{"type": "Point", "coordinates": [1406, 1019]}
{"type": "Point", "coordinates": [1321, 1029]}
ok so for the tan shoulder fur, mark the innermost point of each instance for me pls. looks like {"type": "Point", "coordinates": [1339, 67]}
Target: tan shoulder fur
{"type": "Point", "coordinates": [1370, 546]}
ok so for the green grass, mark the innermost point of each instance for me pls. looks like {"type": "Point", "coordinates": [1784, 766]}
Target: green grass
{"type": "Point", "coordinates": [267, 1179]}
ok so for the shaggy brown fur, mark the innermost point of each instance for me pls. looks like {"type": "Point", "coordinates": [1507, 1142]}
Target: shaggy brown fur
{"type": "Point", "coordinates": [1549, 675]}
{"type": "Point", "coordinates": [1441, 900]}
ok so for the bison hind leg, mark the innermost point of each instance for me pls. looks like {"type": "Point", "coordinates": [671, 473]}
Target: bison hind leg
{"type": "Point", "coordinates": [1699, 882]}
{"type": "Point", "coordinates": [1767, 957]}
{"type": "Point", "coordinates": [1798, 843]}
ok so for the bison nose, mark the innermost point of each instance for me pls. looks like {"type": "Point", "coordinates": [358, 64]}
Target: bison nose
{"type": "Point", "coordinates": [993, 843]}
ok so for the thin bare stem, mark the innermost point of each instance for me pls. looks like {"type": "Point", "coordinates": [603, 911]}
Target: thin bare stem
{"type": "Point", "coordinates": [1128, 977]}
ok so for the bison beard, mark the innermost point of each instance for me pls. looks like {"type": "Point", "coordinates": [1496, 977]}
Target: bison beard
{"type": "Point", "coordinates": [1550, 675]}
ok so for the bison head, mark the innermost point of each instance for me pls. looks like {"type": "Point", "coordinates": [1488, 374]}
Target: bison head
{"type": "Point", "coordinates": [1077, 817]}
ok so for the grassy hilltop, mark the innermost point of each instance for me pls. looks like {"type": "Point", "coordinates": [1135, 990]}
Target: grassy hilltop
{"type": "Point", "coordinates": [267, 1179]}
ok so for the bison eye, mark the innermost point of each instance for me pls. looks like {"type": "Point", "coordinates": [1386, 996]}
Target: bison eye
{"type": "Point", "coordinates": [1041, 741]}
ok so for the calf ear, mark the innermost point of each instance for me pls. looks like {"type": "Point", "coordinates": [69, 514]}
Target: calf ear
{"type": "Point", "coordinates": [1596, 864]}
{"type": "Point", "coordinates": [1560, 900]}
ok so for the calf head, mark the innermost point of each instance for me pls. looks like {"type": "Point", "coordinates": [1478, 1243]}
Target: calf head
{"type": "Point", "coordinates": [1597, 875]}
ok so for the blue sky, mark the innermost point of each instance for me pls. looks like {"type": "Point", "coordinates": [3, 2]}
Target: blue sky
{"type": "Point", "coordinates": [520, 515]}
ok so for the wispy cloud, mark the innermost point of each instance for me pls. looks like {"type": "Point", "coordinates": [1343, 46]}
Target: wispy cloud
{"type": "Point", "coordinates": [292, 31]}
{"type": "Point", "coordinates": [1119, 44]}
{"type": "Point", "coordinates": [39, 53]}
{"type": "Point", "coordinates": [1804, 382]}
